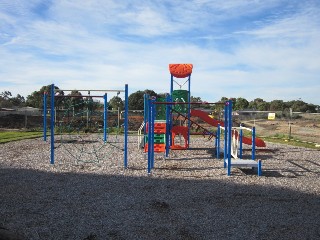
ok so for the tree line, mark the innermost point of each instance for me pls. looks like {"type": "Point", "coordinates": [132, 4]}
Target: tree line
{"type": "Point", "coordinates": [136, 102]}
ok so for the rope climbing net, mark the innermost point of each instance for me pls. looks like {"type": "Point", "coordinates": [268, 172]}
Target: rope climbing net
{"type": "Point", "coordinates": [81, 134]}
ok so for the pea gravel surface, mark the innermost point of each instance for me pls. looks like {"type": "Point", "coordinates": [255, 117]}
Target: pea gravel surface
{"type": "Point", "coordinates": [87, 194]}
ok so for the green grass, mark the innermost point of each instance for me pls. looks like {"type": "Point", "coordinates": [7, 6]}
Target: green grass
{"type": "Point", "coordinates": [293, 141]}
{"type": "Point", "coordinates": [9, 136]}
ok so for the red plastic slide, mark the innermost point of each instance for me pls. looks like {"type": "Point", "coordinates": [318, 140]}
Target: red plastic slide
{"type": "Point", "coordinates": [204, 116]}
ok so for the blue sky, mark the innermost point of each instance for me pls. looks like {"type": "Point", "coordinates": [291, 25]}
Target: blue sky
{"type": "Point", "coordinates": [240, 48]}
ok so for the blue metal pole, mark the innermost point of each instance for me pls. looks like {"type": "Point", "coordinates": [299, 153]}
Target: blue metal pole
{"type": "Point", "coordinates": [218, 141]}
{"type": "Point", "coordinates": [189, 107]}
{"type": "Point", "coordinates": [240, 141]}
{"type": "Point", "coordinates": [52, 124]}
{"type": "Point", "coordinates": [168, 132]}
{"type": "Point", "coordinates": [253, 143]}
{"type": "Point", "coordinates": [126, 120]}
{"type": "Point", "coordinates": [152, 131]}
{"type": "Point", "coordinates": [170, 121]}
{"type": "Point", "coordinates": [259, 168]}
{"type": "Point", "coordinates": [105, 117]}
{"type": "Point", "coordinates": [145, 112]}
{"type": "Point", "coordinates": [44, 116]}
{"type": "Point", "coordinates": [229, 136]}
{"type": "Point", "coordinates": [149, 136]}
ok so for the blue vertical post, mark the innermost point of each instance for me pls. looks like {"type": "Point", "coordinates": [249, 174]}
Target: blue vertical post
{"type": "Point", "coordinates": [126, 110]}
{"type": "Point", "coordinates": [189, 107]}
{"type": "Point", "coordinates": [52, 124]}
{"type": "Point", "coordinates": [170, 121]}
{"type": "Point", "coordinates": [240, 141]}
{"type": "Point", "coordinates": [229, 135]}
{"type": "Point", "coordinates": [253, 143]}
{"type": "Point", "coordinates": [105, 117]}
{"type": "Point", "coordinates": [145, 112]}
{"type": "Point", "coordinates": [145, 116]}
{"type": "Point", "coordinates": [153, 113]}
{"type": "Point", "coordinates": [259, 168]}
{"type": "Point", "coordinates": [45, 116]}
{"type": "Point", "coordinates": [225, 154]}
{"type": "Point", "coordinates": [218, 141]}
{"type": "Point", "coordinates": [149, 136]}
{"type": "Point", "coordinates": [168, 131]}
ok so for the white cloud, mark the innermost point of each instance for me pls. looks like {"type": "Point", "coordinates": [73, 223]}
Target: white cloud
{"type": "Point", "coordinates": [99, 44]}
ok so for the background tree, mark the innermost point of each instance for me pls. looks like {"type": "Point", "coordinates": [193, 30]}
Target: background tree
{"type": "Point", "coordinates": [241, 104]}
{"type": "Point", "coordinates": [256, 103]}
{"type": "Point", "coordinates": [18, 101]}
{"type": "Point", "coordinates": [219, 107]}
{"type": "Point", "coordinates": [116, 102]}
{"type": "Point", "coordinates": [136, 99]}
{"type": "Point", "coordinates": [277, 105]}
{"type": "Point", "coordinates": [7, 101]}
{"type": "Point", "coordinates": [36, 98]}
{"type": "Point", "coordinates": [312, 108]}
{"type": "Point", "coordinates": [299, 106]}
{"type": "Point", "coordinates": [195, 99]}
{"type": "Point", "coordinates": [76, 102]}
{"type": "Point", "coordinates": [263, 106]}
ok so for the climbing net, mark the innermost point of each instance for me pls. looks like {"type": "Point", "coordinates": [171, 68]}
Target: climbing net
{"type": "Point", "coordinates": [81, 134]}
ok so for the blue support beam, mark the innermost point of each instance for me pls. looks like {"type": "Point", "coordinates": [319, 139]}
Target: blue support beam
{"type": "Point", "coordinates": [253, 157]}
{"type": "Point", "coordinates": [52, 113]}
{"type": "Point", "coordinates": [259, 168]}
{"type": "Point", "coordinates": [149, 136]}
{"type": "Point", "coordinates": [225, 154]}
{"type": "Point", "coordinates": [229, 137]}
{"type": "Point", "coordinates": [45, 116]}
{"type": "Point", "coordinates": [105, 117]}
{"type": "Point", "coordinates": [218, 141]}
{"type": "Point", "coordinates": [126, 121]}
{"type": "Point", "coordinates": [168, 125]}
{"type": "Point", "coordinates": [189, 108]}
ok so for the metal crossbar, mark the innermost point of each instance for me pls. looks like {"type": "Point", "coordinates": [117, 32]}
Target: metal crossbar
{"type": "Point", "coordinates": [88, 90]}
{"type": "Point", "coordinates": [192, 103]}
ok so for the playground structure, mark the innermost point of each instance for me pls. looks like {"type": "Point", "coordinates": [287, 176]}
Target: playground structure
{"type": "Point", "coordinates": [165, 120]}
{"type": "Point", "coordinates": [177, 106]}
{"type": "Point", "coordinates": [87, 130]}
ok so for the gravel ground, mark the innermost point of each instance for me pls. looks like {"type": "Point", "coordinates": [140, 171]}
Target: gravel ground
{"type": "Point", "coordinates": [188, 196]}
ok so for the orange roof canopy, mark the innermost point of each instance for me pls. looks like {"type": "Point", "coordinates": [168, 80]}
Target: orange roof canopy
{"type": "Point", "coordinates": [180, 70]}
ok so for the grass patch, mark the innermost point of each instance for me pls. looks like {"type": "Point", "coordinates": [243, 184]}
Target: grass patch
{"type": "Point", "coordinates": [291, 142]}
{"type": "Point", "coordinates": [9, 136]}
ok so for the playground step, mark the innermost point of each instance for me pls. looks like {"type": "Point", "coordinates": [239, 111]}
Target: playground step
{"type": "Point", "coordinates": [157, 147]}
{"type": "Point", "coordinates": [158, 138]}
{"type": "Point", "coordinates": [241, 163]}
{"type": "Point", "coordinates": [159, 127]}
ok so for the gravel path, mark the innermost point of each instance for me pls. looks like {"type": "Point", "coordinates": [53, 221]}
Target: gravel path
{"type": "Point", "coordinates": [188, 196]}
